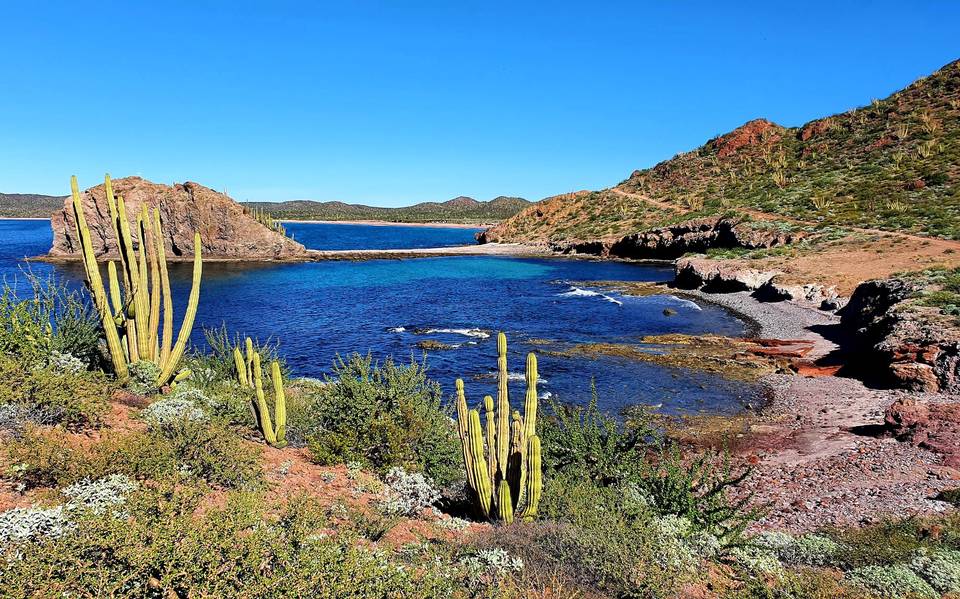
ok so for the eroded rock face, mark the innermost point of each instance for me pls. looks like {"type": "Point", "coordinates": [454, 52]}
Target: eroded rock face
{"type": "Point", "coordinates": [918, 346]}
{"type": "Point", "coordinates": [933, 426]}
{"type": "Point", "coordinates": [718, 275]}
{"type": "Point", "coordinates": [692, 236]}
{"type": "Point", "coordinates": [226, 231]}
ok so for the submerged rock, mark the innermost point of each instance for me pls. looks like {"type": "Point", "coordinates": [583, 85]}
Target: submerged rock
{"type": "Point", "coordinates": [227, 230]}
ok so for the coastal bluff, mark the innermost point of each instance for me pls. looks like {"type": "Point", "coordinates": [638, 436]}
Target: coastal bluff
{"type": "Point", "coordinates": [227, 230]}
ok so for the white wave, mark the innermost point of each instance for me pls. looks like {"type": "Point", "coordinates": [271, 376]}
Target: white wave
{"type": "Point", "coordinates": [578, 292]}
{"type": "Point", "coordinates": [546, 395]}
{"type": "Point", "coordinates": [479, 333]}
{"type": "Point", "coordinates": [397, 330]}
{"type": "Point", "coordinates": [684, 302]}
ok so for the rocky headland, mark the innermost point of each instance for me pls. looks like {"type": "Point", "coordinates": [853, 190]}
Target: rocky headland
{"type": "Point", "coordinates": [227, 230]}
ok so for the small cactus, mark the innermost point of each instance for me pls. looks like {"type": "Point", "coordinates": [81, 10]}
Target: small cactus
{"type": "Point", "coordinates": [250, 375]}
{"type": "Point", "coordinates": [504, 473]}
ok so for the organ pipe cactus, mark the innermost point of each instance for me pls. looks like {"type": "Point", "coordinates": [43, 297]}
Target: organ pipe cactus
{"type": "Point", "coordinates": [250, 375]}
{"type": "Point", "coordinates": [131, 318]}
{"type": "Point", "coordinates": [504, 470]}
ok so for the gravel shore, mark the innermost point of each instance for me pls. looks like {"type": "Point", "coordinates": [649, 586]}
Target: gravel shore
{"type": "Point", "coordinates": [818, 449]}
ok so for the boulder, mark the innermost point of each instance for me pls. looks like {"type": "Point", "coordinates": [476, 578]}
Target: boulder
{"type": "Point", "coordinates": [933, 426]}
{"type": "Point", "coordinates": [227, 231]}
{"type": "Point", "coordinates": [718, 275]}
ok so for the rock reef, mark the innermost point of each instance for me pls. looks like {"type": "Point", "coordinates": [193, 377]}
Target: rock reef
{"type": "Point", "coordinates": [227, 230]}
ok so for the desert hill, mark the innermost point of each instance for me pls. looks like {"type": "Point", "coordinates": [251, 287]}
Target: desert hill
{"type": "Point", "coordinates": [893, 165]}
{"type": "Point", "coordinates": [461, 209]}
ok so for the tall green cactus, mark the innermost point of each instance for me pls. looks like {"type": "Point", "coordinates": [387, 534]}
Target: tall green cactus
{"type": "Point", "coordinates": [250, 374]}
{"type": "Point", "coordinates": [504, 473]}
{"type": "Point", "coordinates": [132, 325]}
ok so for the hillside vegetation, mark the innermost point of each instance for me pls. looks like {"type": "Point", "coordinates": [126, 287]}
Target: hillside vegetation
{"type": "Point", "coordinates": [29, 205]}
{"type": "Point", "coordinates": [460, 210]}
{"type": "Point", "coordinates": [892, 165]}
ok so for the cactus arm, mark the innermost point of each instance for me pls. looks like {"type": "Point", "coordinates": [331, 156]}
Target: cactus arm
{"type": "Point", "coordinates": [480, 475]}
{"type": "Point", "coordinates": [241, 367]}
{"type": "Point", "coordinates": [516, 475]}
{"type": "Point", "coordinates": [250, 360]}
{"type": "Point", "coordinates": [143, 297]}
{"type": "Point", "coordinates": [263, 414]}
{"type": "Point", "coordinates": [491, 438]}
{"type": "Point", "coordinates": [503, 406]}
{"type": "Point", "coordinates": [167, 298]}
{"type": "Point", "coordinates": [146, 234]}
{"type": "Point", "coordinates": [95, 281]}
{"type": "Point", "coordinates": [280, 404]}
{"type": "Point", "coordinates": [504, 502]}
{"type": "Point", "coordinates": [531, 400]}
{"type": "Point", "coordinates": [534, 483]}
{"type": "Point", "coordinates": [462, 418]}
{"type": "Point", "coordinates": [188, 317]}
{"type": "Point", "coordinates": [116, 300]}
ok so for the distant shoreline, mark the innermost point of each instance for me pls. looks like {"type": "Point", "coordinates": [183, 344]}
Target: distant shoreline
{"type": "Point", "coordinates": [24, 218]}
{"type": "Point", "coordinates": [386, 223]}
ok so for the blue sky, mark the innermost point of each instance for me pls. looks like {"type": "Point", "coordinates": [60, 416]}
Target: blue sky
{"type": "Point", "coordinates": [394, 103]}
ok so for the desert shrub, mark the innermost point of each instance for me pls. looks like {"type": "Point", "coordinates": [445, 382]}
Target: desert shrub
{"type": "Point", "coordinates": [890, 582]}
{"type": "Point", "coordinates": [143, 377]}
{"type": "Point", "coordinates": [697, 490]}
{"type": "Point", "coordinates": [583, 439]}
{"type": "Point", "coordinates": [52, 318]}
{"type": "Point", "coordinates": [939, 567]}
{"type": "Point", "coordinates": [801, 583]}
{"type": "Point", "coordinates": [205, 451]}
{"type": "Point", "coordinates": [169, 411]}
{"type": "Point", "coordinates": [56, 396]}
{"type": "Point", "coordinates": [803, 550]}
{"type": "Point", "coordinates": [161, 549]}
{"type": "Point", "coordinates": [408, 494]}
{"type": "Point", "coordinates": [216, 363]}
{"type": "Point", "coordinates": [383, 416]}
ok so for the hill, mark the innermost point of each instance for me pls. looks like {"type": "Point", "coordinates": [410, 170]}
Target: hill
{"type": "Point", "coordinates": [460, 210]}
{"type": "Point", "coordinates": [893, 165]}
{"type": "Point", "coordinates": [29, 205]}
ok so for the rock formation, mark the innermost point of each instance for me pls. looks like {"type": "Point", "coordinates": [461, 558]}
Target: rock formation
{"type": "Point", "coordinates": [916, 345]}
{"type": "Point", "coordinates": [227, 231]}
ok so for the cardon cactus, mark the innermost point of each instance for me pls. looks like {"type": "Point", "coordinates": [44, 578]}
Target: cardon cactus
{"type": "Point", "coordinates": [250, 375]}
{"type": "Point", "coordinates": [503, 473]}
{"type": "Point", "coordinates": [131, 319]}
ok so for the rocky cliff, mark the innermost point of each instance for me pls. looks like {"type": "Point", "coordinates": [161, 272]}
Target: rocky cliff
{"type": "Point", "coordinates": [226, 229]}
{"type": "Point", "coordinates": [917, 346]}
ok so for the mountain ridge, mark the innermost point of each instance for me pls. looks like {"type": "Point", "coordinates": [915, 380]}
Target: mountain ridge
{"type": "Point", "coordinates": [458, 209]}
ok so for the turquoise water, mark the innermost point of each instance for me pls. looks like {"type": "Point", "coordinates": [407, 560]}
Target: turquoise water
{"type": "Point", "coordinates": [385, 307]}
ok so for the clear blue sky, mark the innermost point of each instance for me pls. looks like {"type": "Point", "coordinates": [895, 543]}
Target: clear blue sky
{"type": "Point", "coordinates": [394, 103]}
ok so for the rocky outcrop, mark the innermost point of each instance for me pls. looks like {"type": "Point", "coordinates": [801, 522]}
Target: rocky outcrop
{"type": "Point", "coordinates": [718, 275]}
{"type": "Point", "coordinates": [933, 426]}
{"type": "Point", "coordinates": [917, 347]}
{"type": "Point", "coordinates": [226, 230]}
{"type": "Point", "coordinates": [666, 243]}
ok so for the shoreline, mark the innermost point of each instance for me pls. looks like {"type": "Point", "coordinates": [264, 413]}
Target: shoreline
{"type": "Point", "coordinates": [24, 218]}
{"type": "Point", "coordinates": [386, 223]}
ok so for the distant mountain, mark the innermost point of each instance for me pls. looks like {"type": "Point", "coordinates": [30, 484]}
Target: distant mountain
{"type": "Point", "coordinates": [29, 205]}
{"type": "Point", "coordinates": [458, 210]}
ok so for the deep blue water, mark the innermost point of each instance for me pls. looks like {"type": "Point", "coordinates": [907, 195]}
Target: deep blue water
{"type": "Point", "coordinates": [380, 237]}
{"type": "Point", "coordinates": [385, 307]}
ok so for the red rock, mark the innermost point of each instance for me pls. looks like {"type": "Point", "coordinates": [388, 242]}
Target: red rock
{"type": "Point", "coordinates": [226, 230]}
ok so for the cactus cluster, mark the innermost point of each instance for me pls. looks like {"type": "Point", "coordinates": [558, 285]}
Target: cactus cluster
{"type": "Point", "coordinates": [504, 471]}
{"type": "Point", "coordinates": [250, 376]}
{"type": "Point", "coordinates": [131, 319]}
{"type": "Point", "coordinates": [264, 218]}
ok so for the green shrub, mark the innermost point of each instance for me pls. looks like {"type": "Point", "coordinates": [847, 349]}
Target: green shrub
{"type": "Point", "coordinates": [160, 548]}
{"type": "Point", "coordinates": [205, 451]}
{"type": "Point", "coordinates": [53, 319]}
{"type": "Point", "coordinates": [940, 568]}
{"type": "Point", "coordinates": [55, 396]}
{"type": "Point", "coordinates": [383, 416]}
{"type": "Point", "coordinates": [696, 490]}
{"type": "Point", "coordinates": [891, 582]}
{"type": "Point", "coordinates": [592, 444]}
